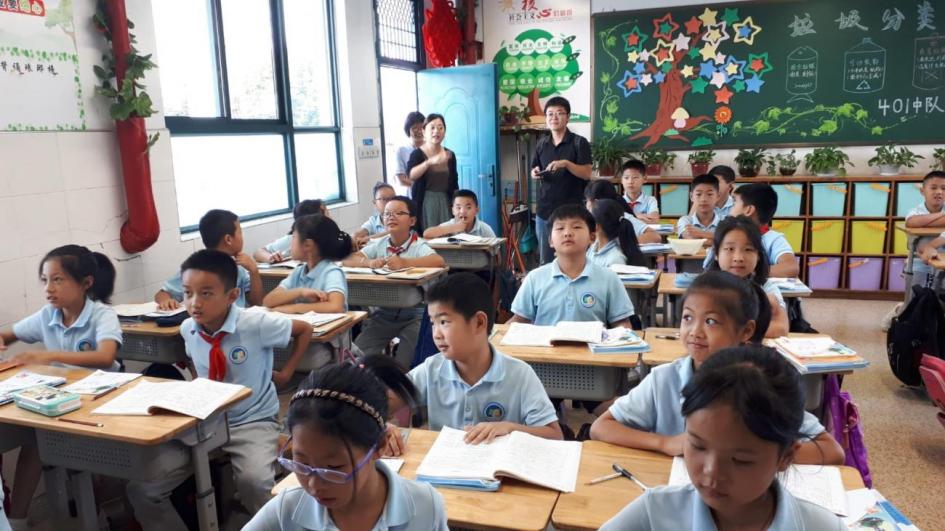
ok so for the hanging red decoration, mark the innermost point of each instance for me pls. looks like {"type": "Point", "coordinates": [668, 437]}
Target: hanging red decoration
{"type": "Point", "coordinates": [442, 36]}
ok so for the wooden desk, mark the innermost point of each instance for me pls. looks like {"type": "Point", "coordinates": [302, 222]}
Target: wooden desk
{"type": "Point", "coordinates": [661, 350]}
{"type": "Point", "coordinates": [371, 290]}
{"type": "Point", "coordinates": [127, 447]}
{"type": "Point", "coordinates": [516, 505]}
{"type": "Point", "coordinates": [643, 295]}
{"type": "Point", "coordinates": [572, 371]}
{"type": "Point", "coordinates": [671, 292]}
{"type": "Point", "coordinates": [321, 335]}
{"type": "Point", "coordinates": [469, 257]}
{"type": "Point", "coordinates": [591, 505]}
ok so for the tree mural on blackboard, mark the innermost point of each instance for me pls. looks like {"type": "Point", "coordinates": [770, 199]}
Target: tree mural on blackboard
{"type": "Point", "coordinates": [683, 60]}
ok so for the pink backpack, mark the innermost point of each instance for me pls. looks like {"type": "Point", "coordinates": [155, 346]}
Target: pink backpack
{"type": "Point", "coordinates": [843, 422]}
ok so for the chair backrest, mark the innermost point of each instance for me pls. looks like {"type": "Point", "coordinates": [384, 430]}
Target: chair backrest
{"type": "Point", "coordinates": [933, 374]}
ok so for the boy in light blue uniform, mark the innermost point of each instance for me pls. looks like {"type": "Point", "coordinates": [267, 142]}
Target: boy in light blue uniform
{"type": "Point", "coordinates": [703, 220]}
{"type": "Point", "coordinates": [929, 213]}
{"type": "Point", "coordinates": [632, 178]}
{"type": "Point", "coordinates": [572, 288]}
{"type": "Point", "coordinates": [374, 228]}
{"type": "Point", "coordinates": [279, 250]}
{"type": "Point", "coordinates": [465, 219]}
{"type": "Point", "coordinates": [220, 230]}
{"type": "Point", "coordinates": [469, 382]}
{"type": "Point", "coordinates": [401, 248]}
{"type": "Point", "coordinates": [228, 344]}
{"type": "Point", "coordinates": [726, 177]}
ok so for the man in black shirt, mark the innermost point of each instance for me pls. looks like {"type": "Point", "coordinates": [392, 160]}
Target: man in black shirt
{"type": "Point", "coordinates": [562, 167]}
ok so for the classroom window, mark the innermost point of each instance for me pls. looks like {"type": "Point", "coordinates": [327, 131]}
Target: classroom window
{"type": "Point", "coordinates": [251, 103]}
{"type": "Point", "coordinates": [399, 57]}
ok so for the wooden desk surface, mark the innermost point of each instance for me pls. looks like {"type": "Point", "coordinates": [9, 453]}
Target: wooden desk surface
{"type": "Point", "coordinates": [435, 272]}
{"type": "Point", "coordinates": [662, 350]}
{"type": "Point", "coordinates": [491, 247]}
{"type": "Point", "coordinates": [644, 285]}
{"type": "Point", "coordinates": [516, 505]}
{"type": "Point", "coordinates": [920, 231]}
{"type": "Point", "coordinates": [574, 354]}
{"type": "Point", "coordinates": [699, 255]}
{"type": "Point", "coordinates": [591, 505]}
{"type": "Point", "coordinates": [143, 430]}
{"type": "Point", "coordinates": [320, 334]}
{"type": "Point", "coordinates": [150, 328]}
{"type": "Point", "coordinates": [668, 287]}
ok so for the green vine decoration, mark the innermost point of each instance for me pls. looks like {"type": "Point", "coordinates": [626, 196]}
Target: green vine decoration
{"type": "Point", "coordinates": [818, 121]}
{"type": "Point", "coordinates": [607, 112]}
{"type": "Point", "coordinates": [131, 99]}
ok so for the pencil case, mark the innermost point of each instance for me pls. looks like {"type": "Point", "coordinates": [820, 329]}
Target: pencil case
{"type": "Point", "coordinates": [47, 401]}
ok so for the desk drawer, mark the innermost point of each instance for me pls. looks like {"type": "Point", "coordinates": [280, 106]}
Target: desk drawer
{"type": "Point", "coordinates": [152, 349]}
{"type": "Point", "coordinates": [270, 282]}
{"type": "Point", "coordinates": [383, 295]}
{"type": "Point", "coordinates": [581, 382]}
{"type": "Point", "coordinates": [470, 260]}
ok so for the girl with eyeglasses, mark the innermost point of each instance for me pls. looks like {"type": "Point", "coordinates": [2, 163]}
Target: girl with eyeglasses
{"type": "Point", "coordinates": [337, 421]}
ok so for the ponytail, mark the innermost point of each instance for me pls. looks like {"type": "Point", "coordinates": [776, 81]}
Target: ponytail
{"type": "Point", "coordinates": [390, 373]}
{"type": "Point", "coordinates": [629, 244]}
{"type": "Point", "coordinates": [80, 263]}
{"type": "Point", "coordinates": [333, 243]}
{"type": "Point", "coordinates": [609, 215]}
{"type": "Point", "coordinates": [763, 315]}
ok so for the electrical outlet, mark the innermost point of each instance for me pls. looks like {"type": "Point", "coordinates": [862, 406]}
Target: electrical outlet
{"type": "Point", "coordinates": [368, 149]}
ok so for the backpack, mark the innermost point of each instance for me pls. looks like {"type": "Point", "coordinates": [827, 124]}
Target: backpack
{"type": "Point", "coordinates": [843, 420]}
{"type": "Point", "coordinates": [796, 321]}
{"type": "Point", "coordinates": [918, 330]}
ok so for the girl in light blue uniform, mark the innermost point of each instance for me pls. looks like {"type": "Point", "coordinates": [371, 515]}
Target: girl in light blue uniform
{"type": "Point", "coordinates": [744, 410]}
{"type": "Point", "coordinates": [280, 249]}
{"type": "Point", "coordinates": [616, 241]}
{"type": "Point", "coordinates": [318, 285]}
{"type": "Point", "coordinates": [337, 421]}
{"type": "Point", "coordinates": [76, 327]}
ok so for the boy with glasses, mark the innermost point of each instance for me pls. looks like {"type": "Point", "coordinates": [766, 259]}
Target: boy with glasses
{"type": "Point", "coordinates": [374, 226]}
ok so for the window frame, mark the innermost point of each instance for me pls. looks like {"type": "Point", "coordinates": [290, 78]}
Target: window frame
{"type": "Point", "coordinates": [283, 125]}
{"type": "Point", "coordinates": [382, 61]}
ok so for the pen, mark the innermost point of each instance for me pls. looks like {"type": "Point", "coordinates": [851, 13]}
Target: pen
{"type": "Point", "coordinates": [626, 473]}
{"type": "Point", "coordinates": [671, 338]}
{"type": "Point", "coordinates": [601, 479]}
{"type": "Point", "coordinates": [96, 397]}
{"type": "Point", "coordinates": [82, 422]}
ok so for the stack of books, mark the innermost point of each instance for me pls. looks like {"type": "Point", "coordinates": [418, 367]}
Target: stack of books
{"type": "Point", "coordinates": [684, 280]}
{"type": "Point", "coordinates": [818, 354]}
{"type": "Point", "coordinates": [599, 340]}
{"type": "Point", "coordinates": [629, 273]}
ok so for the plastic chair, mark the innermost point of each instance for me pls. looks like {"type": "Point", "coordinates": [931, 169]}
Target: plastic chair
{"type": "Point", "coordinates": [933, 374]}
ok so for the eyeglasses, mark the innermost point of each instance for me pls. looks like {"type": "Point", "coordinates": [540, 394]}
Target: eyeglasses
{"type": "Point", "coordinates": [324, 474]}
{"type": "Point", "coordinates": [558, 114]}
{"type": "Point", "coordinates": [395, 214]}
{"type": "Point", "coordinates": [383, 199]}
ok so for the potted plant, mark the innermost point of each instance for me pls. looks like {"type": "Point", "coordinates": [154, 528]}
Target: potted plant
{"type": "Point", "coordinates": [889, 159]}
{"type": "Point", "coordinates": [513, 114]}
{"type": "Point", "coordinates": [656, 159]}
{"type": "Point", "coordinates": [938, 155]}
{"type": "Point", "coordinates": [749, 161]}
{"type": "Point", "coordinates": [607, 156]}
{"type": "Point", "coordinates": [700, 160]}
{"type": "Point", "coordinates": [785, 163]}
{"type": "Point", "coordinates": [826, 161]}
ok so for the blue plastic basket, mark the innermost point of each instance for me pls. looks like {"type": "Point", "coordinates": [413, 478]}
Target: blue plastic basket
{"type": "Point", "coordinates": [789, 199]}
{"type": "Point", "coordinates": [870, 199]}
{"type": "Point", "coordinates": [674, 199]}
{"type": "Point", "coordinates": [908, 196]}
{"type": "Point", "coordinates": [829, 199]}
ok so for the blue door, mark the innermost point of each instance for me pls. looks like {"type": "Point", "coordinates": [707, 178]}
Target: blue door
{"type": "Point", "coordinates": [467, 97]}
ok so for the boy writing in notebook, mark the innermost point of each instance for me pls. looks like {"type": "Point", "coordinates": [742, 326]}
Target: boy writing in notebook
{"type": "Point", "coordinates": [469, 384]}
{"type": "Point", "coordinates": [228, 344]}
{"type": "Point", "coordinates": [928, 213]}
{"type": "Point", "coordinates": [703, 220]}
{"type": "Point", "coordinates": [465, 219]}
{"type": "Point", "coordinates": [220, 230]}
{"type": "Point", "coordinates": [279, 250]}
{"type": "Point", "coordinates": [572, 288]}
{"type": "Point", "coordinates": [632, 178]}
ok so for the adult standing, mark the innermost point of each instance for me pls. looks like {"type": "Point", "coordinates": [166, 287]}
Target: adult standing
{"type": "Point", "coordinates": [413, 128]}
{"type": "Point", "coordinates": [562, 167]}
{"type": "Point", "coordinates": [432, 170]}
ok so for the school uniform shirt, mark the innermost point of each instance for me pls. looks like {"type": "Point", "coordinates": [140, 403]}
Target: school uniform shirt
{"type": "Point", "coordinates": [609, 254]}
{"type": "Point", "coordinates": [480, 228]}
{"type": "Point", "coordinates": [410, 506]}
{"type": "Point", "coordinates": [645, 204]}
{"type": "Point", "coordinates": [510, 391]}
{"type": "Point", "coordinates": [772, 289]}
{"type": "Point", "coordinates": [547, 296]}
{"type": "Point", "coordinates": [174, 286]}
{"type": "Point", "coordinates": [639, 226]}
{"type": "Point", "coordinates": [379, 248]}
{"type": "Point", "coordinates": [325, 276]}
{"type": "Point", "coordinates": [918, 266]}
{"type": "Point", "coordinates": [773, 242]}
{"type": "Point", "coordinates": [97, 322]}
{"type": "Point", "coordinates": [374, 224]}
{"type": "Point", "coordinates": [655, 404]}
{"type": "Point", "coordinates": [693, 220]}
{"type": "Point", "coordinates": [282, 246]}
{"type": "Point", "coordinates": [681, 507]}
{"type": "Point", "coordinates": [250, 338]}
{"type": "Point", "coordinates": [4, 524]}
{"type": "Point", "coordinates": [725, 210]}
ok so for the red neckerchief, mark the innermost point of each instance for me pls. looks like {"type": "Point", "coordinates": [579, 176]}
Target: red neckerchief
{"type": "Point", "coordinates": [764, 229]}
{"type": "Point", "coordinates": [397, 250]}
{"type": "Point", "coordinates": [217, 359]}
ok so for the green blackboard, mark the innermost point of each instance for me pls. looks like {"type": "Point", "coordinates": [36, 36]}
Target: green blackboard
{"type": "Point", "coordinates": [784, 73]}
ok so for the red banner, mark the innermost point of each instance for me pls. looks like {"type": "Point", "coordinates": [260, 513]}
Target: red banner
{"type": "Point", "coordinates": [24, 7]}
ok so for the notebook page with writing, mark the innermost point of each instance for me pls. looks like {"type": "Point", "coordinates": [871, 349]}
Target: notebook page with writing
{"type": "Point", "coordinates": [450, 457]}
{"type": "Point", "coordinates": [547, 463]}
{"type": "Point", "coordinates": [579, 331]}
{"type": "Point", "coordinates": [527, 335]}
{"type": "Point", "coordinates": [198, 398]}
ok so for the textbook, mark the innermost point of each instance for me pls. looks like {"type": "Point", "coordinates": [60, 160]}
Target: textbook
{"type": "Point", "coordinates": [662, 228]}
{"type": "Point", "coordinates": [312, 318]}
{"type": "Point", "coordinates": [529, 335]}
{"type": "Point", "coordinates": [870, 510]}
{"type": "Point", "coordinates": [790, 285]}
{"type": "Point", "coordinates": [463, 239]}
{"type": "Point", "coordinates": [620, 340]}
{"type": "Point", "coordinates": [817, 354]}
{"type": "Point", "coordinates": [655, 248]}
{"type": "Point", "coordinates": [196, 398]}
{"type": "Point", "coordinates": [407, 273]}
{"type": "Point", "coordinates": [684, 280]}
{"type": "Point", "coordinates": [286, 264]}
{"type": "Point", "coordinates": [47, 400]}
{"type": "Point", "coordinates": [629, 273]}
{"type": "Point", "coordinates": [144, 310]}
{"type": "Point", "coordinates": [100, 382]}
{"type": "Point", "coordinates": [23, 380]}
{"type": "Point", "coordinates": [817, 484]}
{"type": "Point", "coordinates": [546, 463]}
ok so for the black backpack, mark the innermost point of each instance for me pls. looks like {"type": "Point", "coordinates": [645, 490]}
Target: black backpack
{"type": "Point", "coordinates": [918, 330]}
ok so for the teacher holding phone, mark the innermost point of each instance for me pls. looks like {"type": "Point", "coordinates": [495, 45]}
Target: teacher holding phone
{"type": "Point", "coordinates": [562, 166]}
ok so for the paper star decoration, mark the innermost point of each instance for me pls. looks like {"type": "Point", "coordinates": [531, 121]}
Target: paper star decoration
{"type": "Point", "coordinates": [723, 95]}
{"type": "Point", "coordinates": [630, 84]}
{"type": "Point", "coordinates": [681, 43]}
{"type": "Point", "coordinates": [633, 56]}
{"type": "Point", "coordinates": [746, 30]}
{"type": "Point", "coordinates": [708, 52]}
{"type": "Point", "coordinates": [708, 16]}
{"type": "Point", "coordinates": [664, 27]}
{"type": "Point", "coordinates": [663, 52]}
{"type": "Point", "coordinates": [739, 85]}
{"type": "Point", "coordinates": [734, 68]}
{"type": "Point", "coordinates": [754, 84]}
{"type": "Point", "coordinates": [730, 16]}
{"type": "Point", "coordinates": [639, 68]}
{"type": "Point", "coordinates": [719, 58]}
{"type": "Point", "coordinates": [659, 77]}
{"type": "Point", "coordinates": [759, 63]}
{"type": "Point", "coordinates": [686, 71]}
{"type": "Point", "coordinates": [698, 85]}
{"type": "Point", "coordinates": [718, 79]}
{"type": "Point", "coordinates": [693, 25]}
{"type": "Point", "coordinates": [706, 70]}
{"type": "Point", "coordinates": [646, 79]}
{"type": "Point", "coordinates": [645, 55]}
{"type": "Point", "coordinates": [633, 40]}
{"type": "Point", "coordinates": [716, 33]}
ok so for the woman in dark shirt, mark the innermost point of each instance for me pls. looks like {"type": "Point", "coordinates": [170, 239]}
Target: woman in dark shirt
{"type": "Point", "coordinates": [432, 168]}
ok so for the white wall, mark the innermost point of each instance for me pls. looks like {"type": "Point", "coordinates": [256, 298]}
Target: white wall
{"type": "Point", "coordinates": [59, 188]}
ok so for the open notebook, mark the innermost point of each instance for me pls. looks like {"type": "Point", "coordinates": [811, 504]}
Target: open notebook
{"type": "Point", "coordinates": [529, 335]}
{"type": "Point", "coordinates": [197, 398]}
{"type": "Point", "coordinates": [817, 354]}
{"type": "Point", "coordinates": [312, 318]}
{"type": "Point", "coordinates": [23, 380]}
{"type": "Point", "coordinates": [453, 463]}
